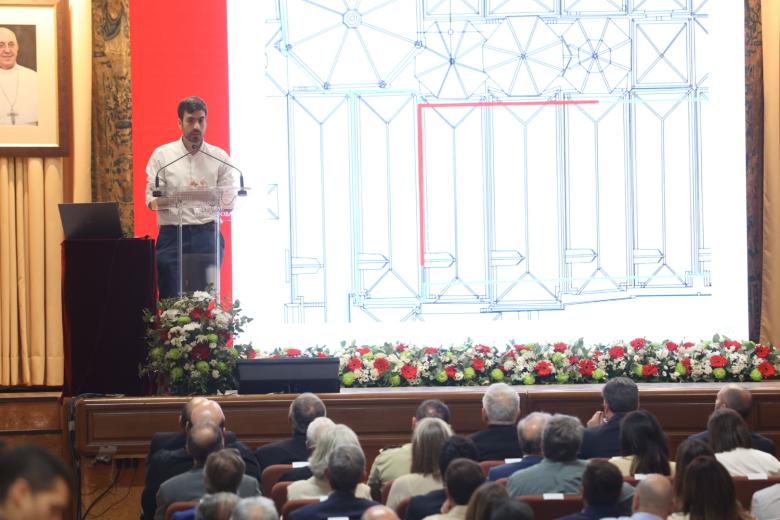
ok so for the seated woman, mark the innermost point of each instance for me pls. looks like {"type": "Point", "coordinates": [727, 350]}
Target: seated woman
{"type": "Point", "coordinates": [318, 486]}
{"type": "Point", "coordinates": [429, 436]}
{"type": "Point", "coordinates": [731, 441]}
{"type": "Point", "coordinates": [485, 499]}
{"type": "Point", "coordinates": [643, 446]}
{"type": "Point", "coordinates": [708, 493]}
{"type": "Point", "coordinates": [687, 451]}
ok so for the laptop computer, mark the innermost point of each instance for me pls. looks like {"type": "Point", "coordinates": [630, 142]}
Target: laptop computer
{"type": "Point", "coordinates": [91, 220]}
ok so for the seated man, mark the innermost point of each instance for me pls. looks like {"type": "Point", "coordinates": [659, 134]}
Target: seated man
{"type": "Point", "coordinates": [654, 499]}
{"type": "Point", "coordinates": [456, 447]}
{"type": "Point", "coordinates": [226, 470]}
{"type": "Point", "coordinates": [393, 462]}
{"type": "Point", "coordinates": [500, 408]}
{"type": "Point", "coordinates": [218, 506]}
{"type": "Point", "coordinates": [560, 471]}
{"type": "Point", "coordinates": [379, 513]}
{"type": "Point", "coordinates": [463, 477]}
{"type": "Point", "coordinates": [313, 434]}
{"type": "Point", "coordinates": [529, 433]}
{"type": "Point", "coordinates": [255, 508]}
{"type": "Point", "coordinates": [303, 410]}
{"type": "Point", "coordinates": [346, 468]}
{"type": "Point", "coordinates": [602, 482]}
{"type": "Point", "coordinates": [33, 484]}
{"type": "Point", "coordinates": [177, 440]}
{"type": "Point", "coordinates": [740, 400]}
{"type": "Point", "coordinates": [602, 437]}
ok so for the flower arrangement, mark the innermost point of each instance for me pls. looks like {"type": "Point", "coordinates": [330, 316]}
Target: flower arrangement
{"type": "Point", "coordinates": [190, 343]}
{"type": "Point", "coordinates": [398, 364]}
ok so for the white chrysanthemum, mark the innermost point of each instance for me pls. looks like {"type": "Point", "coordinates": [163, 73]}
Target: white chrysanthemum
{"type": "Point", "coordinates": [193, 325]}
{"type": "Point", "coordinates": [202, 296]}
{"type": "Point", "coordinates": [212, 345]}
{"type": "Point", "coordinates": [215, 374]}
{"type": "Point", "coordinates": [171, 314]}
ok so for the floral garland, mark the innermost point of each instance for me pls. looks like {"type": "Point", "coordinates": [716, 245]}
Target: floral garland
{"type": "Point", "coordinates": [398, 364]}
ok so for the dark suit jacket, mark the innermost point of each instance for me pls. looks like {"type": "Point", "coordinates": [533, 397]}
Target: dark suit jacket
{"type": "Point", "coordinates": [283, 452]}
{"type": "Point", "coordinates": [339, 503]}
{"type": "Point", "coordinates": [505, 470]}
{"type": "Point", "coordinates": [759, 441]}
{"type": "Point", "coordinates": [498, 442]}
{"type": "Point", "coordinates": [428, 504]}
{"type": "Point", "coordinates": [296, 474]}
{"type": "Point", "coordinates": [176, 440]}
{"type": "Point", "coordinates": [602, 440]}
{"type": "Point", "coordinates": [595, 513]}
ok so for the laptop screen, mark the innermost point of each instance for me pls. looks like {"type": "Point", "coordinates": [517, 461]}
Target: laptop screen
{"type": "Point", "coordinates": [90, 220]}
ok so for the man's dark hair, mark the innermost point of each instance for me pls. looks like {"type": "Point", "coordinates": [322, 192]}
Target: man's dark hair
{"type": "Point", "coordinates": [346, 465]}
{"type": "Point", "coordinates": [512, 509]}
{"type": "Point", "coordinates": [562, 438]}
{"type": "Point", "coordinates": [462, 478]}
{"type": "Point", "coordinates": [34, 464]}
{"type": "Point", "coordinates": [728, 431]}
{"type": "Point", "coordinates": [191, 104]}
{"type": "Point", "coordinates": [224, 471]}
{"type": "Point", "coordinates": [433, 408]}
{"type": "Point", "coordinates": [304, 409]}
{"type": "Point", "coordinates": [457, 447]}
{"type": "Point", "coordinates": [203, 440]}
{"type": "Point", "coordinates": [601, 483]}
{"type": "Point", "coordinates": [621, 394]}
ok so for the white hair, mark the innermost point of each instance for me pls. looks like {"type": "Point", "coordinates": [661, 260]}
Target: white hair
{"type": "Point", "coordinates": [315, 430]}
{"type": "Point", "coordinates": [338, 435]}
{"type": "Point", "coordinates": [501, 404]}
{"type": "Point", "coordinates": [255, 508]}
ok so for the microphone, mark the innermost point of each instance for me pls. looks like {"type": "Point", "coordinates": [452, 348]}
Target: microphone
{"type": "Point", "coordinates": [241, 192]}
{"type": "Point", "coordinates": [157, 192]}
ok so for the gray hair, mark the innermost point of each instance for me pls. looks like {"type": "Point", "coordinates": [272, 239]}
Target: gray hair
{"type": "Point", "coordinates": [562, 438]}
{"type": "Point", "coordinates": [346, 465]}
{"type": "Point", "coordinates": [501, 404]}
{"type": "Point", "coordinates": [621, 394]}
{"type": "Point", "coordinates": [218, 506]}
{"type": "Point", "coordinates": [529, 432]}
{"type": "Point", "coordinates": [338, 435]}
{"type": "Point", "coordinates": [304, 409]}
{"type": "Point", "coordinates": [255, 508]}
{"type": "Point", "coordinates": [316, 429]}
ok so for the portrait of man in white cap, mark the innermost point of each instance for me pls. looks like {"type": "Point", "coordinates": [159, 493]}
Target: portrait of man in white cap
{"type": "Point", "coordinates": [18, 84]}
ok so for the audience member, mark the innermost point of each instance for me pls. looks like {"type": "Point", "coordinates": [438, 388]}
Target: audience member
{"type": "Point", "coordinates": [429, 436]}
{"type": "Point", "coordinates": [643, 446]}
{"type": "Point", "coordinates": [34, 484]}
{"type": "Point", "coordinates": [177, 440]}
{"type": "Point", "coordinates": [500, 409]}
{"type": "Point", "coordinates": [255, 508]}
{"type": "Point", "coordinates": [303, 410]}
{"type": "Point", "coordinates": [766, 503]}
{"type": "Point", "coordinates": [218, 506]}
{"type": "Point", "coordinates": [601, 487]}
{"type": "Point", "coordinates": [560, 471]}
{"type": "Point", "coordinates": [461, 480]}
{"type": "Point", "coordinates": [708, 493]}
{"type": "Point", "coordinates": [346, 468]}
{"type": "Point", "coordinates": [653, 499]}
{"type": "Point", "coordinates": [730, 440]}
{"type": "Point", "coordinates": [202, 441]}
{"type": "Point", "coordinates": [484, 500]}
{"type": "Point", "coordinates": [529, 433]}
{"type": "Point", "coordinates": [687, 451]}
{"type": "Point", "coordinates": [317, 485]}
{"type": "Point", "coordinates": [740, 400]}
{"type": "Point", "coordinates": [165, 464]}
{"type": "Point", "coordinates": [456, 447]}
{"type": "Point", "coordinates": [313, 433]}
{"type": "Point", "coordinates": [602, 437]}
{"type": "Point", "coordinates": [379, 513]}
{"type": "Point", "coordinates": [392, 462]}
{"type": "Point", "coordinates": [512, 509]}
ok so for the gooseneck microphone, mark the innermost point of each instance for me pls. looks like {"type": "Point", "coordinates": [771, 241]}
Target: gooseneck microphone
{"type": "Point", "coordinates": [157, 191]}
{"type": "Point", "coordinates": [242, 191]}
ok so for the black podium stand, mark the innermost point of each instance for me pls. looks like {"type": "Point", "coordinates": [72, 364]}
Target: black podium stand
{"type": "Point", "coordinates": [106, 285]}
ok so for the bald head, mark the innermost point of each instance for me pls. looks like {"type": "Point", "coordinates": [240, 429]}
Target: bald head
{"type": "Point", "coordinates": [379, 513]}
{"type": "Point", "coordinates": [529, 432]}
{"type": "Point", "coordinates": [9, 48]}
{"type": "Point", "coordinates": [207, 411]}
{"type": "Point", "coordinates": [736, 398]}
{"type": "Point", "coordinates": [185, 418]}
{"type": "Point", "coordinates": [203, 440]}
{"type": "Point", "coordinates": [654, 495]}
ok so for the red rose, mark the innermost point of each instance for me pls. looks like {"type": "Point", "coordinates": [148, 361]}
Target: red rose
{"type": "Point", "coordinates": [671, 346]}
{"type": "Point", "coordinates": [729, 343]}
{"type": "Point", "coordinates": [200, 352]}
{"type": "Point", "coordinates": [766, 368]}
{"type": "Point", "coordinates": [560, 347]}
{"type": "Point", "coordinates": [321, 354]}
{"type": "Point", "coordinates": [521, 347]}
{"type": "Point", "coordinates": [478, 364]}
{"type": "Point", "coordinates": [718, 361]}
{"type": "Point", "coordinates": [649, 370]}
{"type": "Point", "coordinates": [195, 314]}
{"type": "Point", "coordinates": [431, 350]}
{"type": "Point", "coordinates": [617, 352]}
{"type": "Point", "coordinates": [687, 364]}
{"type": "Point", "coordinates": [482, 348]}
{"type": "Point", "coordinates": [688, 344]}
{"type": "Point", "coordinates": [573, 359]}
{"type": "Point", "coordinates": [638, 343]}
{"type": "Point", "coordinates": [252, 354]}
{"type": "Point", "coordinates": [208, 314]}
{"type": "Point", "coordinates": [381, 364]}
{"type": "Point", "coordinates": [363, 350]}
{"type": "Point", "coordinates": [276, 356]}
{"type": "Point", "coordinates": [762, 351]}
{"type": "Point", "coordinates": [401, 347]}
{"type": "Point", "coordinates": [587, 367]}
{"type": "Point", "coordinates": [292, 352]}
{"type": "Point", "coordinates": [543, 368]}
{"type": "Point", "coordinates": [450, 371]}
{"type": "Point", "coordinates": [597, 354]}
{"type": "Point", "coordinates": [408, 371]}
{"type": "Point", "coordinates": [355, 363]}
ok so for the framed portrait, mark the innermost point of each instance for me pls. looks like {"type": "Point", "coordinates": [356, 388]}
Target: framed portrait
{"type": "Point", "coordinates": [35, 96]}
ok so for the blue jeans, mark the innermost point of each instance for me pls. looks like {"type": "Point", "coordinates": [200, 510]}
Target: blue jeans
{"type": "Point", "coordinates": [197, 257]}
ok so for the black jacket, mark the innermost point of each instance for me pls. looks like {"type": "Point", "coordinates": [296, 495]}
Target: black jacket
{"type": "Point", "coordinates": [339, 503]}
{"type": "Point", "coordinates": [283, 452]}
{"type": "Point", "coordinates": [498, 442]}
{"type": "Point", "coordinates": [428, 504]}
{"type": "Point", "coordinates": [759, 441]}
{"type": "Point", "coordinates": [602, 440]}
{"type": "Point", "coordinates": [176, 440]}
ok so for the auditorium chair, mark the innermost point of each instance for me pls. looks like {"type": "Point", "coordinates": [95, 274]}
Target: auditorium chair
{"type": "Point", "coordinates": [279, 494]}
{"type": "Point", "coordinates": [553, 508]}
{"type": "Point", "coordinates": [487, 464]}
{"type": "Point", "coordinates": [271, 476]}
{"type": "Point", "coordinates": [175, 507]}
{"type": "Point", "coordinates": [386, 491]}
{"type": "Point", "coordinates": [401, 508]}
{"type": "Point", "coordinates": [292, 505]}
{"type": "Point", "coordinates": [744, 488]}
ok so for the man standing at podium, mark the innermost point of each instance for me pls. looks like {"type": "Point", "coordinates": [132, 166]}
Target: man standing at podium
{"type": "Point", "coordinates": [188, 162]}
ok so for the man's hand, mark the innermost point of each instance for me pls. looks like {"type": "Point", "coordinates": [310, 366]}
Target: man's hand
{"type": "Point", "coordinates": [597, 419]}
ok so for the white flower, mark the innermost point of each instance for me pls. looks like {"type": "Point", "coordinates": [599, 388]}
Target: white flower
{"type": "Point", "coordinates": [202, 296]}
{"type": "Point", "coordinates": [171, 314]}
{"type": "Point", "coordinates": [193, 325]}
{"type": "Point", "coordinates": [215, 374]}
